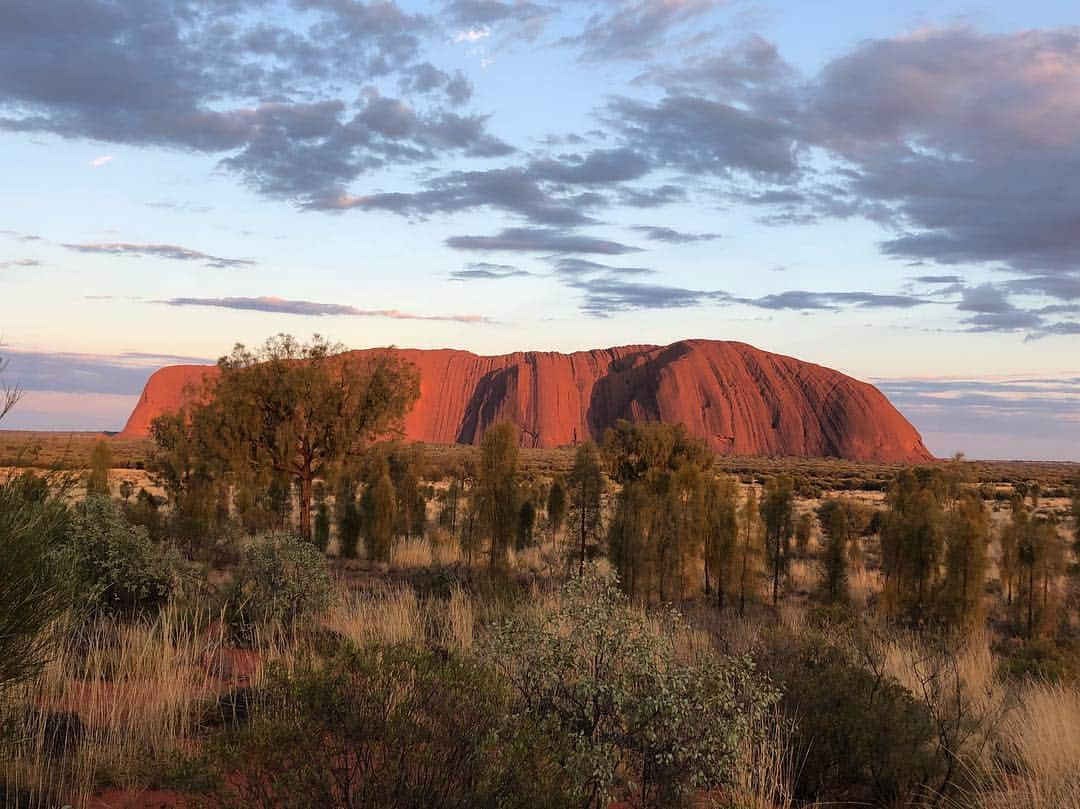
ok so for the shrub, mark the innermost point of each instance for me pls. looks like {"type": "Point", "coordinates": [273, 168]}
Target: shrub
{"type": "Point", "coordinates": [281, 580]}
{"type": "Point", "coordinates": [859, 735]}
{"type": "Point", "coordinates": [385, 728]}
{"type": "Point", "coordinates": [115, 568]}
{"type": "Point", "coordinates": [31, 524]}
{"type": "Point", "coordinates": [639, 723]}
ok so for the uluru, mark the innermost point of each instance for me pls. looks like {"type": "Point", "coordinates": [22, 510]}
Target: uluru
{"type": "Point", "coordinates": [739, 399]}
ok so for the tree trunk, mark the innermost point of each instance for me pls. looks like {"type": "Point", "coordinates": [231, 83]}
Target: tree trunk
{"type": "Point", "coordinates": [305, 508]}
{"type": "Point", "coordinates": [581, 563]}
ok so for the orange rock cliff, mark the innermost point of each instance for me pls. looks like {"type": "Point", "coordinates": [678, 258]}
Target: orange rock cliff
{"type": "Point", "coordinates": [739, 399]}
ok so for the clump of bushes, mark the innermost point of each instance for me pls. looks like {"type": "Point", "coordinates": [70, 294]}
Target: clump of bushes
{"type": "Point", "coordinates": [859, 735]}
{"type": "Point", "coordinates": [114, 567]}
{"type": "Point", "coordinates": [281, 581]}
{"type": "Point", "coordinates": [642, 721]}
{"type": "Point", "coordinates": [386, 728]}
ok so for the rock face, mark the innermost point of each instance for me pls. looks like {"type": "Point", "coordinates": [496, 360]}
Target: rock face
{"type": "Point", "coordinates": [741, 400]}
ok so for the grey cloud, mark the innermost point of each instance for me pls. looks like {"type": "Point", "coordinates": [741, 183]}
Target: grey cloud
{"type": "Point", "coordinates": [672, 236]}
{"type": "Point", "coordinates": [634, 29]}
{"type": "Point", "coordinates": [544, 240]}
{"type": "Point", "coordinates": [706, 136]}
{"type": "Point", "coordinates": [576, 267]}
{"type": "Point", "coordinates": [168, 251]}
{"type": "Point", "coordinates": [124, 373]}
{"type": "Point", "coordinates": [938, 279]}
{"type": "Point", "coordinates": [606, 295]}
{"type": "Point", "coordinates": [1010, 418]}
{"type": "Point", "coordinates": [509, 189]}
{"type": "Point", "coordinates": [20, 262]}
{"type": "Point", "coordinates": [965, 137]}
{"type": "Point", "coordinates": [992, 311]}
{"type": "Point", "coordinates": [486, 271]}
{"type": "Point", "coordinates": [522, 17]}
{"type": "Point", "coordinates": [803, 300]}
{"type": "Point", "coordinates": [224, 78]}
{"type": "Point", "coordinates": [312, 308]}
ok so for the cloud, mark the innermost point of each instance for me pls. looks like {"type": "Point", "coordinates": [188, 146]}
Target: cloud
{"type": "Point", "coordinates": [992, 311]}
{"type": "Point", "coordinates": [20, 262]}
{"type": "Point", "coordinates": [544, 240]}
{"type": "Point", "coordinates": [803, 300]}
{"type": "Point", "coordinates": [964, 137]}
{"type": "Point", "coordinates": [279, 105]}
{"type": "Point", "coordinates": [635, 29]}
{"type": "Point", "coordinates": [21, 237]}
{"type": "Point", "coordinates": [486, 271]}
{"type": "Point", "coordinates": [672, 236]}
{"type": "Point", "coordinates": [577, 267]}
{"type": "Point", "coordinates": [939, 279]}
{"type": "Point", "coordinates": [167, 251]}
{"type": "Point", "coordinates": [517, 17]}
{"type": "Point", "coordinates": [310, 308]}
{"type": "Point", "coordinates": [1021, 417]}
{"type": "Point", "coordinates": [472, 35]}
{"type": "Point", "coordinates": [124, 373]}
{"type": "Point", "coordinates": [607, 295]}
{"type": "Point", "coordinates": [98, 162]}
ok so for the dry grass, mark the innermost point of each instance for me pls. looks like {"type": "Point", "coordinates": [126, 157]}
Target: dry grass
{"type": "Point", "coordinates": [137, 690]}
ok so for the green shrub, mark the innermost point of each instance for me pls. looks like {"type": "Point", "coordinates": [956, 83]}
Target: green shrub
{"type": "Point", "coordinates": [640, 724]}
{"type": "Point", "coordinates": [281, 580]}
{"type": "Point", "coordinates": [32, 523]}
{"type": "Point", "coordinates": [859, 735]}
{"type": "Point", "coordinates": [115, 568]}
{"type": "Point", "coordinates": [385, 728]}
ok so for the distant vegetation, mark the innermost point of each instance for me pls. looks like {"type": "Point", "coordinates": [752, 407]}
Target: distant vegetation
{"type": "Point", "coordinates": [289, 607]}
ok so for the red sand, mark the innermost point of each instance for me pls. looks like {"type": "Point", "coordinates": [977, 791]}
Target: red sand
{"type": "Point", "coordinates": [741, 400]}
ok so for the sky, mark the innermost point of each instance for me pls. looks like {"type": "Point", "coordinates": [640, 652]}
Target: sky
{"type": "Point", "coordinates": [892, 190]}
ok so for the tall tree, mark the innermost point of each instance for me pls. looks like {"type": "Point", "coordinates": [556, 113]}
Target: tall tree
{"type": "Point", "coordinates": [497, 494]}
{"type": "Point", "coordinates": [721, 536]}
{"type": "Point", "coordinates": [378, 509]}
{"type": "Point", "coordinates": [556, 507]}
{"type": "Point", "coordinates": [837, 528]}
{"type": "Point", "coordinates": [913, 540]}
{"type": "Point", "coordinates": [301, 409]}
{"type": "Point", "coordinates": [749, 557]}
{"type": "Point", "coordinates": [777, 504]}
{"type": "Point", "coordinates": [965, 559]}
{"type": "Point", "coordinates": [97, 481]}
{"type": "Point", "coordinates": [586, 485]}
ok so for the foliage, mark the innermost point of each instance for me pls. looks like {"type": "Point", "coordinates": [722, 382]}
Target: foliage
{"type": "Point", "coordinates": [281, 581]}
{"type": "Point", "coordinates": [378, 509]}
{"type": "Point", "coordinates": [556, 506]}
{"type": "Point", "coordinates": [386, 728]}
{"type": "Point", "coordinates": [496, 492]}
{"type": "Point", "coordinates": [586, 486]}
{"type": "Point", "coordinates": [859, 734]}
{"type": "Point", "coordinates": [32, 524]}
{"type": "Point", "coordinates": [298, 410]}
{"type": "Point", "coordinates": [658, 531]}
{"type": "Point", "coordinates": [115, 567]}
{"type": "Point", "coordinates": [97, 481]}
{"type": "Point", "coordinates": [610, 682]}
{"type": "Point", "coordinates": [777, 516]}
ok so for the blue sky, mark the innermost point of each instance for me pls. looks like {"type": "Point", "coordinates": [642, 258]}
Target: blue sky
{"type": "Point", "coordinates": [893, 192]}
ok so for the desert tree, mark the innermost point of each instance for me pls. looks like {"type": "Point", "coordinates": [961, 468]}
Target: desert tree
{"type": "Point", "coordinates": [804, 529]}
{"type": "Point", "coordinates": [378, 509]}
{"type": "Point", "coordinates": [748, 555]}
{"type": "Point", "coordinates": [586, 487]}
{"type": "Point", "coordinates": [556, 507]}
{"type": "Point", "coordinates": [965, 560]}
{"type": "Point", "coordinates": [913, 541]}
{"type": "Point", "coordinates": [347, 515]}
{"type": "Point", "coordinates": [721, 504]}
{"type": "Point", "coordinates": [97, 480]}
{"type": "Point", "coordinates": [497, 490]}
{"type": "Point", "coordinates": [405, 465]}
{"type": "Point", "coordinates": [838, 529]}
{"type": "Point", "coordinates": [777, 503]}
{"type": "Point", "coordinates": [302, 409]}
{"type": "Point", "coordinates": [32, 525]}
{"type": "Point", "coordinates": [1041, 556]}
{"type": "Point", "coordinates": [526, 524]}
{"type": "Point", "coordinates": [321, 533]}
